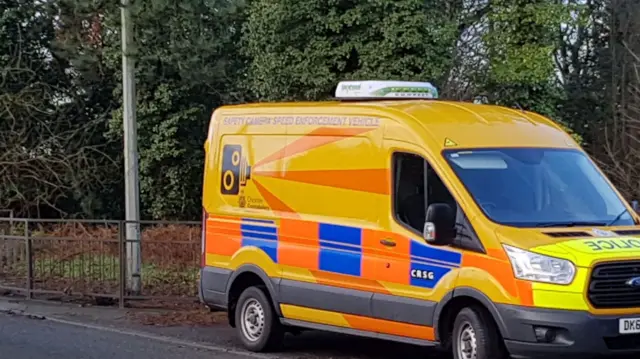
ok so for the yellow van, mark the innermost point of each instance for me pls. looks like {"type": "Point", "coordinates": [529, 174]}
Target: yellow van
{"type": "Point", "coordinates": [390, 214]}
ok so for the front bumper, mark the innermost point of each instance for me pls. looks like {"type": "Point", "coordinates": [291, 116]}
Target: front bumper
{"type": "Point", "coordinates": [577, 334]}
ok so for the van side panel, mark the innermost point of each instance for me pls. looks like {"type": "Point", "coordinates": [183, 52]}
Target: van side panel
{"type": "Point", "coordinates": [366, 324]}
{"type": "Point", "coordinates": [230, 230]}
{"type": "Point", "coordinates": [343, 190]}
{"type": "Point", "coordinates": [307, 199]}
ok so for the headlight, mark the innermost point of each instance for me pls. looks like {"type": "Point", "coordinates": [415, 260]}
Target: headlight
{"type": "Point", "coordinates": [540, 268]}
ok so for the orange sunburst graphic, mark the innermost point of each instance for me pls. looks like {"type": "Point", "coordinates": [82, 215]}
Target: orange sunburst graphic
{"type": "Point", "coordinates": [274, 202]}
{"type": "Point", "coordinates": [348, 179]}
{"type": "Point", "coordinates": [314, 139]}
{"type": "Point", "coordinates": [345, 179]}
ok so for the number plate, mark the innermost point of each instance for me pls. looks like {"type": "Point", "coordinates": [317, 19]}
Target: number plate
{"type": "Point", "coordinates": [629, 325]}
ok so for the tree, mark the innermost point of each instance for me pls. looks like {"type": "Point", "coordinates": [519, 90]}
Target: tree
{"type": "Point", "coordinates": [616, 144]}
{"type": "Point", "coordinates": [301, 49]}
{"type": "Point", "coordinates": [187, 64]}
{"type": "Point", "coordinates": [84, 28]}
{"type": "Point", "coordinates": [45, 157]}
{"type": "Point", "coordinates": [520, 40]}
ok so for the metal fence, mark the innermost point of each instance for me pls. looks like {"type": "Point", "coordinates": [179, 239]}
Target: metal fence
{"type": "Point", "coordinates": [88, 258]}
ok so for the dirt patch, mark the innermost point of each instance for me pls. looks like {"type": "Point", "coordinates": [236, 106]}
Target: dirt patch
{"type": "Point", "coordinates": [197, 317]}
{"type": "Point", "coordinates": [174, 313]}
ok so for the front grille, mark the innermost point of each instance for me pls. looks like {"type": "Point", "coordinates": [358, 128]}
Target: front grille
{"type": "Point", "coordinates": [608, 288]}
{"type": "Point", "coordinates": [623, 342]}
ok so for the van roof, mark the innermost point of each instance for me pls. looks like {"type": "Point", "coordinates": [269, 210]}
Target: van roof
{"type": "Point", "coordinates": [466, 124]}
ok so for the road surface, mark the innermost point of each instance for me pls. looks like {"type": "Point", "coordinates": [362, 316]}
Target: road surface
{"type": "Point", "coordinates": [25, 338]}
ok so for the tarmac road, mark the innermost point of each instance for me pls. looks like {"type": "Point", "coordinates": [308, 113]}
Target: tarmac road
{"type": "Point", "coordinates": [25, 338]}
{"type": "Point", "coordinates": [30, 330]}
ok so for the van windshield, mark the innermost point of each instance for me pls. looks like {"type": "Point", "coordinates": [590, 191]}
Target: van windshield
{"type": "Point", "coordinates": [538, 187]}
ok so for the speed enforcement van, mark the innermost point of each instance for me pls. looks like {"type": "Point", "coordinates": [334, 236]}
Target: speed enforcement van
{"type": "Point", "coordinates": [391, 214]}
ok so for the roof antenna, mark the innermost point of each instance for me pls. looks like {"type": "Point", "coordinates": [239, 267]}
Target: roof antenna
{"type": "Point", "coordinates": [519, 107]}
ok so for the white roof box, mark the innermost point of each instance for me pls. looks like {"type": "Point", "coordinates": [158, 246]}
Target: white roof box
{"type": "Point", "coordinates": [386, 90]}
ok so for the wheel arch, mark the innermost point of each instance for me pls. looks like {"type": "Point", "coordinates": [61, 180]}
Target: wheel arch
{"type": "Point", "coordinates": [246, 276]}
{"type": "Point", "coordinates": [457, 299]}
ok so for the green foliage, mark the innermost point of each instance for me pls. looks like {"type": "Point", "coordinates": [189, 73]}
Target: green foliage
{"type": "Point", "coordinates": [300, 49]}
{"type": "Point", "coordinates": [522, 39]}
{"type": "Point", "coordinates": [61, 145]}
{"type": "Point", "coordinates": [83, 30]}
{"type": "Point", "coordinates": [520, 44]}
{"type": "Point", "coordinates": [49, 159]}
{"type": "Point", "coordinates": [187, 64]}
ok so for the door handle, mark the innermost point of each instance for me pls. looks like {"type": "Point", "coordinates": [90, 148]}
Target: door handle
{"type": "Point", "coordinates": [388, 242]}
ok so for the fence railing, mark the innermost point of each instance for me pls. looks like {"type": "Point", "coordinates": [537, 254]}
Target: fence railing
{"type": "Point", "coordinates": [88, 258]}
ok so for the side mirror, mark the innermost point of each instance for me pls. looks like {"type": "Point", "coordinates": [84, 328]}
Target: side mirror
{"type": "Point", "coordinates": [440, 224]}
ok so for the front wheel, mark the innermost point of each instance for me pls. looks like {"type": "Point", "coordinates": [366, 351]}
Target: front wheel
{"type": "Point", "coordinates": [257, 322]}
{"type": "Point", "coordinates": [475, 336]}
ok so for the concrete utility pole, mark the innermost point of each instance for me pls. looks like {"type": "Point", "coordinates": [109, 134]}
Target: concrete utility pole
{"type": "Point", "coordinates": [132, 189]}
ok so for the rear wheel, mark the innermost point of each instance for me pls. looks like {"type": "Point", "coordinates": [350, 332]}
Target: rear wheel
{"type": "Point", "coordinates": [257, 323]}
{"type": "Point", "coordinates": [475, 336]}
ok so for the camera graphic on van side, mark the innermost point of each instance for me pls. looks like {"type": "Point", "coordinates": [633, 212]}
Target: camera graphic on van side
{"type": "Point", "coordinates": [236, 170]}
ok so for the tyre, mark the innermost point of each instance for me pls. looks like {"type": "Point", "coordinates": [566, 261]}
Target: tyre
{"type": "Point", "coordinates": [257, 323]}
{"type": "Point", "coordinates": [475, 336]}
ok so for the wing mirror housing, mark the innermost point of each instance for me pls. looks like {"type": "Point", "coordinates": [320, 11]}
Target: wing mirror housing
{"type": "Point", "coordinates": [440, 224]}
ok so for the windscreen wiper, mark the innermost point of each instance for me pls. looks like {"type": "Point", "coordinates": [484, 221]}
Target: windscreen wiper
{"type": "Point", "coordinates": [570, 224]}
{"type": "Point", "coordinates": [617, 217]}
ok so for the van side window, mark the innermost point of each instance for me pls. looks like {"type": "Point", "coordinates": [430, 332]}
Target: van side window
{"type": "Point", "coordinates": [411, 199]}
